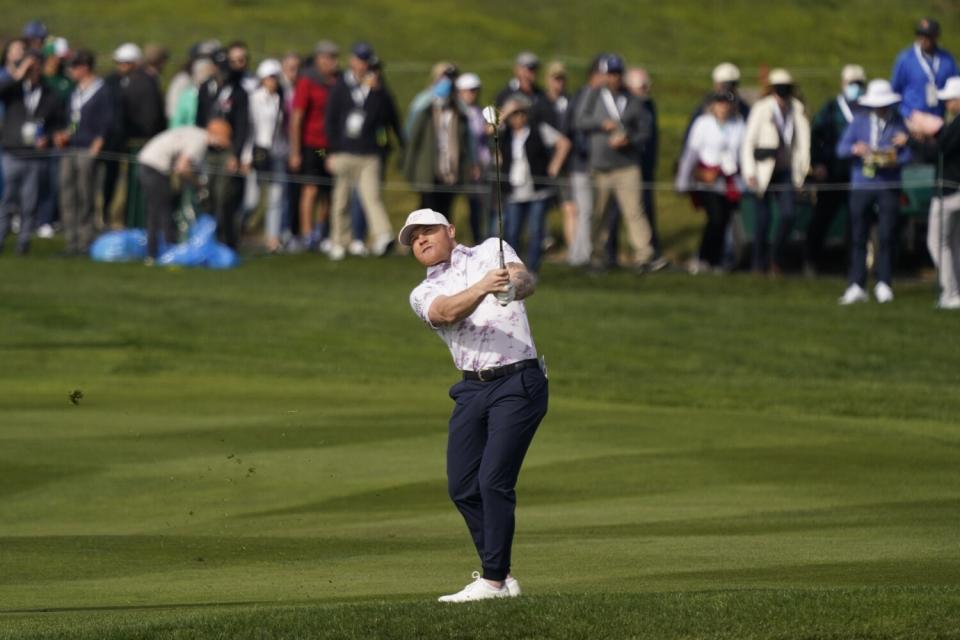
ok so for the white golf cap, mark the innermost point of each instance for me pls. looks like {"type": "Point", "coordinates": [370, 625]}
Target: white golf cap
{"type": "Point", "coordinates": [128, 52]}
{"type": "Point", "coordinates": [879, 94]}
{"type": "Point", "coordinates": [779, 77]}
{"type": "Point", "coordinates": [852, 73]}
{"type": "Point", "coordinates": [725, 72]}
{"type": "Point", "coordinates": [951, 90]}
{"type": "Point", "coordinates": [469, 81]}
{"type": "Point", "coordinates": [269, 67]}
{"type": "Point", "coordinates": [420, 218]}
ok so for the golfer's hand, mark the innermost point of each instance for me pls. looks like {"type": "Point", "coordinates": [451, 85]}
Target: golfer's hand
{"type": "Point", "coordinates": [495, 281]}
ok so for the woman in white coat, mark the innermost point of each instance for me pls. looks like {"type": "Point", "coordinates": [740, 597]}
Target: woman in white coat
{"type": "Point", "coordinates": [774, 161]}
{"type": "Point", "coordinates": [709, 171]}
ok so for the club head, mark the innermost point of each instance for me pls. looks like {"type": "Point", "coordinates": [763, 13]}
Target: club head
{"type": "Point", "coordinates": [491, 116]}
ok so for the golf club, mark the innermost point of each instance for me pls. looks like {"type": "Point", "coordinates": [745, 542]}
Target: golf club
{"type": "Point", "coordinates": [492, 117]}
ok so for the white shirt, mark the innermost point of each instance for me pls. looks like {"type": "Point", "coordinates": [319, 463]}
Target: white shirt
{"type": "Point", "coordinates": [162, 150]}
{"type": "Point", "coordinates": [265, 114]}
{"type": "Point", "coordinates": [492, 335]}
{"type": "Point", "coordinates": [717, 144]}
{"type": "Point", "coordinates": [521, 177]}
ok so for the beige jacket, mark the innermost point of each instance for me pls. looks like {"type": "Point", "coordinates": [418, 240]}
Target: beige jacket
{"type": "Point", "coordinates": [762, 133]}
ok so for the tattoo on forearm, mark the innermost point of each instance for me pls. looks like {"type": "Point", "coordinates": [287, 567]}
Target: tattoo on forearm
{"type": "Point", "coordinates": [523, 282]}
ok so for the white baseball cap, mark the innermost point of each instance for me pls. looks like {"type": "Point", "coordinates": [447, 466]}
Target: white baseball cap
{"type": "Point", "coordinates": [852, 73]}
{"type": "Point", "coordinates": [469, 81]}
{"type": "Point", "coordinates": [128, 52]}
{"type": "Point", "coordinates": [269, 67]}
{"type": "Point", "coordinates": [780, 76]}
{"type": "Point", "coordinates": [725, 72]}
{"type": "Point", "coordinates": [420, 218]}
{"type": "Point", "coordinates": [951, 90]}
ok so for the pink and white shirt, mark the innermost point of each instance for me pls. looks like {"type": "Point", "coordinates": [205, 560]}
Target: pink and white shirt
{"type": "Point", "coordinates": [492, 335]}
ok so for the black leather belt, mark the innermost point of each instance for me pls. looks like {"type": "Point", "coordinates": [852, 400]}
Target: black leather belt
{"type": "Point", "coordinates": [488, 375]}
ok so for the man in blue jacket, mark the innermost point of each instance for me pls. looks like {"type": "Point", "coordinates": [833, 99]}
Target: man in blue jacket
{"type": "Point", "coordinates": [876, 141]}
{"type": "Point", "coordinates": [922, 69]}
{"type": "Point", "coordinates": [90, 114]}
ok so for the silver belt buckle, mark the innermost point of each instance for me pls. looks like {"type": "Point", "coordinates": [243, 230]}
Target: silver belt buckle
{"type": "Point", "coordinates": [480, 375]}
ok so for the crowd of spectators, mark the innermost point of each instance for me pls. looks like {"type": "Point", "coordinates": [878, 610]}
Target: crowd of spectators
{"type": "Point", "coordinates": [307, 144]}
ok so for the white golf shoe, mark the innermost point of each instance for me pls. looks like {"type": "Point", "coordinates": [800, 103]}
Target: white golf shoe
{"type": "Point", "coordinates": [513, 587]}
{"type": "Point", "coordinates": [853, 295]}
{"type": "Point", "coordinates": [479, 589]}
{"type": "Point", "coordinates": [382, 244]}
{"type": "Point", "coordinates": [883, 293]}
{"type": "Point", "coordinates": [336, 253]}
{"type": "Point", "coordinates": [357, 248]}
{"type": "Point", "coordinates": [950, 303]}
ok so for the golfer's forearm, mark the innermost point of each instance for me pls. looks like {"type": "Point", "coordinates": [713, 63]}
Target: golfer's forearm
{"type": "Point", "coordinates": [523, 283]}
{"type": "Point", "coordinates": [452, 309]}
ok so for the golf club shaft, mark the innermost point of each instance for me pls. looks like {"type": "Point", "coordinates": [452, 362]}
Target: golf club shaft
{"type": "Point", "coordinates": [496, 162]}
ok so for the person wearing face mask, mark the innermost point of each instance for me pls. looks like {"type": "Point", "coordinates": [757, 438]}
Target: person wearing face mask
{"type": "Point", "coordinates": [828, 170]}
{"type": "Point", "coordinates": [439, 158]}
{"type": "Point", "coordinates": [876, 142]}
{"type": "Point", "coordinates": [774, 161]}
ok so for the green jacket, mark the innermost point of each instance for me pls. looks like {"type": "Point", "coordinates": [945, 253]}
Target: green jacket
{"type": "Point", "coordinates": [420, 157]}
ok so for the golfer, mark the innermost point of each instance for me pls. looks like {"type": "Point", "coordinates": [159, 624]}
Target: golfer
{"type": "Point", "coordinates": [503, 394]}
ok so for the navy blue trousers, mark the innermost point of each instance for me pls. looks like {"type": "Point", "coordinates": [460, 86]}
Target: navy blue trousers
{"type": "Point", "coordinates": [862, 203]}
{"type": "Point", "coordinates": [491, 429]}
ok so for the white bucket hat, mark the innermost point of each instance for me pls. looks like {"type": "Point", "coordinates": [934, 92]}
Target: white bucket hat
{"type": "Point", "coordinates": [951, 90]}
{"type": "Point", "coordinates": [879, 94]}
{"type": "Point", "coordinates": [420, 218]}
{"type": "Point", "coordinates": [269, 67]}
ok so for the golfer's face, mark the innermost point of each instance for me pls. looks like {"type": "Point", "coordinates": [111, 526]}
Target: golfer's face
{"type": "Point", "coordinates": [432, 244]}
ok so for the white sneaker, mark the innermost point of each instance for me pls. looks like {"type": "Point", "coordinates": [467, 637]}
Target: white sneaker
{"type": "Point", "coordinates": [513, 587]}
{"type": "Point", "coordinates": [479, 589]}
{"type": "Point", "coordinates": [325, 246]}
{"type": "Point", "coordinates": [45, 231]}
{"type": "Point", "coordinates": [853, 295]}
{"type": "Point", "coordinates": [382, 244]}
{"type": "Point", "coordinates": [883, 293]}
{"type": "Point", "coordinates": [357, 248]}
{"type": "Point", "coordinates": [949, 303]}
{"type": "Point", "coordinates": [336, 253]}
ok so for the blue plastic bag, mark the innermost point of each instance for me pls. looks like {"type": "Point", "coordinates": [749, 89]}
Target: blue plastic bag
{"type": "Point", "coordinates": [120, 246]}
{"type": "Point", "coordinates": [201, 248]}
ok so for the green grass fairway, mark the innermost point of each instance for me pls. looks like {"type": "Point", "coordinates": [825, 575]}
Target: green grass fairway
{"type": "Point", "coordinates": [259, 453]}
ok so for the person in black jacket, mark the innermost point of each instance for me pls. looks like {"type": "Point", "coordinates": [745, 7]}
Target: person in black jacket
{"type": "Point", "coordinates": [361, 110]}
{"type": "Point", "coordinates": [32, 112]}
{"type": "Point", "coordinates": [930, 141]}
{"type": "Point", "coordinates": [825, 132]}
{"type": "Point", "coordinates": [223, 96]}
{"type": "Point", "coordinates": [89, 112]}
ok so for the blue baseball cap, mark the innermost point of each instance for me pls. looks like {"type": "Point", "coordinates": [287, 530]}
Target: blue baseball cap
{"type": "Point", "coordinates": [362, 50]}
{"type": "Point", "coordinates": [611, 63]}
{"type": "Point", "coordinates": [35, 30]}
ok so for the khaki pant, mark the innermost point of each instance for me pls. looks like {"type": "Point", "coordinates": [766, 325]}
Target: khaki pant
{"type": "Point", "coordinates": [77, 199]}
{"type": "Point", "coordinates": [626, 186]}
{"type": "Point", "coordinates": [363, 173]}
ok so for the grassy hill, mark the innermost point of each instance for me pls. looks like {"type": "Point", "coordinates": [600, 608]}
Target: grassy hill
{"type": "Point", "coordinates": [679, 42]}
{"type": "Point", "coordinates": [259, 453]}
